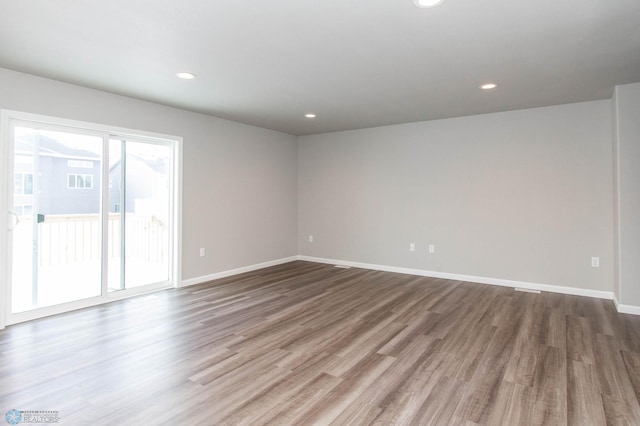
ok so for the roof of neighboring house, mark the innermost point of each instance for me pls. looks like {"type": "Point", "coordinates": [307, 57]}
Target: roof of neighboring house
{"type": "Point", "coordinates": [51, 147]}
{"type": "Point", "coordinates": [160, 165]}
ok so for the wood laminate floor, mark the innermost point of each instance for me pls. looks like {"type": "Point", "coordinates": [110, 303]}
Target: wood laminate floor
{"type": "Point", "coordinates": [306, 343]}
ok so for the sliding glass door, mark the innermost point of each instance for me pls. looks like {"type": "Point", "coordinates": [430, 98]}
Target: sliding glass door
{"type": "Point", "coordinates": [56, 256]}
{"type": "Point", "coordinates": [140, 196]}
{"type": "Point", "coordinates": [92, 216]}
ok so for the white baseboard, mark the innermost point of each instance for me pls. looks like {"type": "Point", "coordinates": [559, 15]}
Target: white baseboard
{"type": "Point", "coordinates": [626, 309]}
{"type": "Point", "coordinates": [608, 295]}
{"type": "Point", "coordinates": [469, 278]}
{"type": "Point", "coordinates": [230, 272]}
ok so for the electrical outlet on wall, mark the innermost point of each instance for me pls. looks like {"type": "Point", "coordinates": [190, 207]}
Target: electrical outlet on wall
{"type": "Point", "coordinates": [310, 238]}
{"type": "Point", "coordinates": [432, 248]}
{"type": "Point", "coordinates": [595, 262]}
{"type": "Point", "coordinates": [202, 252]}
{"type": "Point", "coordinates": [412, 247]}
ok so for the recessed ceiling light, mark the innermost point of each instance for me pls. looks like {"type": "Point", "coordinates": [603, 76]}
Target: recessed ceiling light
{"type": "Point", "coordinates": [428, 3]}
{"type": "Point", "coordinates": [186, 75]}
{"type": "Point", "coordinates": [310, 115]}
{"type": "Point", "coordinates": [488, 86]}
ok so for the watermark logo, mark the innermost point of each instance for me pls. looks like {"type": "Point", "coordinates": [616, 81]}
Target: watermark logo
{"type": "Point", "coordinates": [14, 417]}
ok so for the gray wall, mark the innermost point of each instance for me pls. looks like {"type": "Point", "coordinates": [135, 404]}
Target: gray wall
{"type": "Point", "coordinates": [239, 187]}
{"type": "Point", "coordinates": [627, 147]}
{"type": "Point", "coordinates": [523, 195]}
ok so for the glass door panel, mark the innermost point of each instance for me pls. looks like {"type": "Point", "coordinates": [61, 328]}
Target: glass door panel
{"type": "Point", "coordinates": [56, 243]}
{"type": "Point", "coordinates": [147, 213]}
{"type": "Point", "coordinates": [139, 213]}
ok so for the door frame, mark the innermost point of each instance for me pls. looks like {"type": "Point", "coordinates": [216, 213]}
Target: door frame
{"type": "Point", "coordinates": [6, 182]}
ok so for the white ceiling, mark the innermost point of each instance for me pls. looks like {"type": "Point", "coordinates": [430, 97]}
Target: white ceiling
{"type": "Point", "coordinates": [356, 64]}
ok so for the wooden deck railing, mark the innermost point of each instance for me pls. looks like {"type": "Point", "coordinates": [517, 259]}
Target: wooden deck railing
{"type": "Point", "coordinates": [72, 239]}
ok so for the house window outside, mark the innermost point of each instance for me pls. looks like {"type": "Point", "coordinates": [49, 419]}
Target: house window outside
{"type": "Point", "coordinates": [23, 184]}
{"type": "Point", "coordinates": [23, 210]}
{"type": "Point", "coordinates": [78, 181]}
